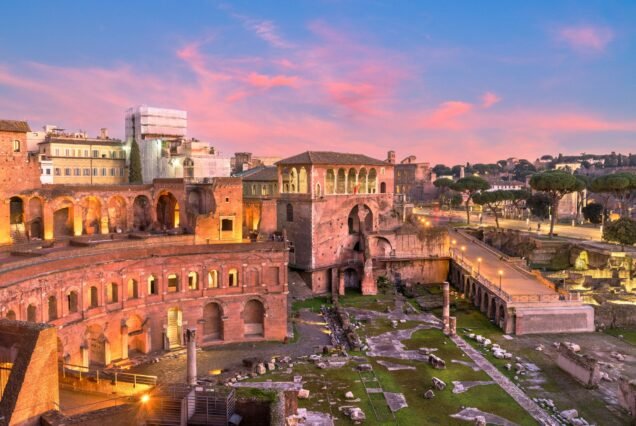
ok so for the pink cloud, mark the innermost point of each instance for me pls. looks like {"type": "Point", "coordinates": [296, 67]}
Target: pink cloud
{"type": "Point", "coordinates": [446, 115]}
{"type": "Point", "coordinates": [488, 99]}
{"type": "Point", "coordinates": [263, 81]}
{"type": "Point", "coordinates": [586, 38]}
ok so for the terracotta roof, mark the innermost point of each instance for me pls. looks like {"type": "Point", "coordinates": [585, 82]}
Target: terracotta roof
{"type": "Point", "coordinates": [261, 173]}
{"type": "Point", "coordinates": [14, 126]}
{"type": "Point", "coordinates": [326, 157]}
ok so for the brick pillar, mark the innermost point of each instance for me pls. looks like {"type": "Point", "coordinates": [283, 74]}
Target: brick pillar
{"type": "Point", "coordinates": [124, 340]}
{"type": "Point", "coordinates": [452, 326]}
{"type": "Point", "coordinates": [5, 227]}
{"type": "Point", "coordinates": [84, 356]}
{"type": "Point", "coordinates": [47, 222]}
{"type": "Point", "coordinates": [369, 286]}
{"type": "Point", "coordinates": [341, 283]}
{"type": "Point", "coordinates": [77, 220]}
{"type": "Point", "coordinates": [446, 307]}
{"type": "Point", "coordinates": [147, 341]}
{"type": "Point", "coordinates": [191, 343]}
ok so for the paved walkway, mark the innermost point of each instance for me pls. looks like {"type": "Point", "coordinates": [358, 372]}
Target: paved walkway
{"type": "Point", "coordinates": [513, 281]}
{"type": "Point", "coordinates": [513, 390]}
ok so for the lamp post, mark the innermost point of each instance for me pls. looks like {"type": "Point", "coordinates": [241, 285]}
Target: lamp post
{"type": "Point", "coordinates": [478, 265]}
{"type": "Point", "coordinates": [500, 275]}
{"type": "Point", "coordinates": [463, 250]}
{"type": "Point", "coordinates": [452, 247]}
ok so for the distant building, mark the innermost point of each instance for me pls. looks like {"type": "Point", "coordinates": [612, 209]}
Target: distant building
{"type": "Point", "coordinates": [165, 151]}
{"type": "Point", "coordinates": [75, 158]}
{"type": "Point", "coordinates": [412, 179]}
{"type": "Point", "coordinates": [243, 161]}
{"type": "Point", "coordinates": [506, 185]}
{"type": "Point", "coordinates": [260, 191]}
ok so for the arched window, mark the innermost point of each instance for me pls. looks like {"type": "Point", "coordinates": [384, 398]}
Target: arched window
{"type": "Point", "coordinates": [173, 283]}
{"type": "Point", "coordinates": [188, 168]}
{"type": "Point", "coordinates": [94, 299]}
{"type": "Point", "coordinates": [152, 285]}
{"type": "Point", "coordinates": [213, 278]}
{"type": "Point", "coordinates": [383, 188]}
{"type": "Point", "coordinates": [362, 181]}
{"type": "Point", "coordinates": [72, 301]}
{"type": "Point", "coordinates": [11, 315]}
{"type": "Point", "coordinates": [303, 186]}
{"type": "Point", "coordinates": [112, 293]}
{"type": "Point", "coordinates": [193, 280]}
{"type": "Point", "coordinates": [253, 189]}
{"type": "Point", "coordinates": [232, 278]}
{"type": "Point", "coordinates": [32, 313]}
{"type": "Point", "coordinates": [16, 146]}
{"type": "Point", "coordinates": [330, 182]}
{"type": "Point", "coordinates": [52, 308]}
{"type": "Point", "coordinates": [351, 181]}
{"type": "Point", "coordinates": [290, 213]}
{"type": "Point", "coordinates": [341, 182]}
{"type": "Point", "coordinates": [133, 289]}
{"type": "Point", "coordinates": [318, 190]}
{"type": "Point", "coordinates": [373, 181]}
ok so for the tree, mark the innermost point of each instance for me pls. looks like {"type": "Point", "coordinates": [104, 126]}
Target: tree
{"type": "Point", "coordinates": [443, 185]}
{"type": "Point", "coordinates": [441, 170]}
{"type": "Point", "coordinates": [519, 197]}
{"type": "Point", "coordinates": [539, 205]}
{"type": "Point", "coordinates": [455, 199]}
{"type": "Point", "coordinates": [622, 231]}
{"type": "Point", "coordinates": [583, 185]}
{"type": "Point", "coordinates": [555, 184]}
{"type": "Point", "coordinates": [134, 168]}
{"type": "Point", "coordinates": [494, 200]}
{"type": "Point", "coordinates": [620, 185]}
{"type": "Point", "coordinates": [469, 186]}
{"type": "Point", "coordinates": [593, 212]}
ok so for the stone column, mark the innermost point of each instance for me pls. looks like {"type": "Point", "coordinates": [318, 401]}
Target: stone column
{"type": "Point", "coordinates": [124, 340]}
{"type": "Point", "coordinates": [341, 283]}
{"type": "Point", "coordinates": [446, 307]}
{"type": "Point", "coordinates": [452, 325]}
{"type": "Point", "coordinates": [191, 343]}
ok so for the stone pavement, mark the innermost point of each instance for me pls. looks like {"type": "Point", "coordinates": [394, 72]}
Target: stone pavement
{"type": "Point", "coordinates": [513, 390]}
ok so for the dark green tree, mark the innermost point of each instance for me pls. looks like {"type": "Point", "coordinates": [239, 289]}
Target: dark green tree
{"type": "Point", "coordinates": [494, 200]}
{"type": "Point", "coordinates": [455, 199]}
{"type": "Point", "coordinates": [555, 184]}
{"type": "Point", "coordinates": [518, 198]}
{"type": "Point", "coordinates": [622, 231]}
{"type": "Point", "coordinates": [443, 186]}
{"type": "Point", "coordinates": [134, 168]}
{"type": "Point", "coordinates": [469, 186]}
{"type": "Point", "coordinates": [619, 185]}
{"type": "Point", "coordinates": [539, 205]}
{"type": "Point", "coordinates": [593, 212]}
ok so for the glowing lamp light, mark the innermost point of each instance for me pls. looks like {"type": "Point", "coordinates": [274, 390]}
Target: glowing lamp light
{"type": "Point", "coordinates": [145, 398]}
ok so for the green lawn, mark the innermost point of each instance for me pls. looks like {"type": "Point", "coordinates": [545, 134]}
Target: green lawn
{"type": "Point", "coordinates": [629, 334]}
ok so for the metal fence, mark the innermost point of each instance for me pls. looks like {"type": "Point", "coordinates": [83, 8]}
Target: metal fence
{"type": "Point", "coordinates": [82, 373]}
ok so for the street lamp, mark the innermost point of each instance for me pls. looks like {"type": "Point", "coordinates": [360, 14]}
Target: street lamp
{"type": "Point", "coordinates": [452, 247]}
{"type": "Point", "coordinates": [463, 250]}
{"type": "Point", "coordinates": [500, 275]}
{"type": "Point", "coordinates": [478, 265]}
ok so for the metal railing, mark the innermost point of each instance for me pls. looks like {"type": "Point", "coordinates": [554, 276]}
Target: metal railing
{"type": "Point", "coordinates": [83, 373]}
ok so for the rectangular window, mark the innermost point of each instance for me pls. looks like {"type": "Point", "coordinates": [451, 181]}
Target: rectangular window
{"type": "Point", "coordinates": [57, 152]}
{"type": "Point", "coordinates": [122, 172]}
{"type": "Point", "coordinates": [95, 171]}
{"type": "Point", "coordinates": [77, 171]}
{"type": "Point", "coordinates": [57, 171]}
{"type": "Point", "coordinates": [67, 172]}
{"type": "Point", "coordinates": [67, 152]}
{"type": "Point", "coordinates": [227, 225]}
{"type": "Point", "coordinates": [95, 153]}
{"type": "Point", "coordinates": [48, 172]}
{"type": "Point", "coordinates": [112, 171]}
{"type": "Point", "coordinates": [173, 283]}
{"type": "Point", "coordinates": [87, 172]}
{"type": "Point", "coordinates": [16, 146]}
{"type": "Point", "coordinates": [86, 153]}
{"type": "Point", "coordinates": [103, 171]}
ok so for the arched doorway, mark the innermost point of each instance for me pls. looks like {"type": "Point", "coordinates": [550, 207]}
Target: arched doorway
{"type": "Point", "coordinates": [173, 329]}
{"type": "Point", "coordinates": [16, 218]}
{"type": "Point", "coordinates": [97, 345]}
{"type": "Point", "coordinates": [91, 215]}
{"type": "Point", "coordinates": [32, 313]}
{"type": "Point", "coordinates": [136, 335]}
{"type": "Point", "coordinates": [355, 217]}
{"type": "Point", "coordinates": [36, 227]}
{"type": "Point", "coordinates": [213, 325]}
{"type": "Point", "coordinates": [63, 220]}
{"type": "Point", "coordinates": [141, 213]}
{"type": "Point", "coordinates": [117, 214]}
{"type": "Point", "coordinates": [254, 318]}
{"type": "Point", "coordinates": [352, 280]}
{"type": "Point", "coordinates": [168, 211]}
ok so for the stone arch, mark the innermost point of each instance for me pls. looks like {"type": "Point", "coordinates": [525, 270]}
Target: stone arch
{"type": "Point", "coordinates": [11, 315]}
{"type": "Point", "coordinates": [168, 210]}
{"type": "Point", "coordinates": [293, 180]}
{"type": "Point", "coordinates": [16, 211]}
{"type": "Point", "coordinates": [362, 181]}
{"type": "Point", "coordinates": [213, 321]}
{"type": "Point", "coordinates": [383, 188]}
{"type": "Point", "coordinates": [303, 185]}
{"type": "Point", "coordinates": [213, 278]}
{"type": "Point", "coordinates": [193, 280]}
{"type": "Point", "coordinates": [136, 334]}
{"type": "Point", "coordinates": [254, 318]}
{"type": "Point", "coordinates": [93, 297]}
{"type": "Point", "coordinates": [352, 280]}
{"type": "Point", "coordinates": [63, 218]}
{"type": "Point", "coordinates": [52, 306]}
{"type": "Point", "coordinates": [352, 177]}
{"type": "Point", "coordinates": [492, 312]}
{"type": "Point", "coordinates": [318, 192]}
{"type": "Point", "coordinates": [501, 316]}
{"type": "Point", "coordinates": [285, 180]}
{"type": "Point", "coordinates": [233, 277]}
{"type": "Point", "coordinates": [360, 219]}
{"type": "Point", "coordinates": [142, 218]}
{"type": "Point", "coordinates": [36, 221]}
{"type": "Point", "coordinates": [341, 180]}
{"type": "Point", "coordinates": [91, 215]}
{"type": "Point", "coordinates": [117, 214]}
{"type": "Point", "coordinates": [153, 285]}
{"type": "Point", "coordinates": [132, 291]}
{"type": "Point", "coordinates": [32, 313]}
{"type": "Point", "coordinates": [330, 182]}
{"type": "Point", "coordinates": [381, 247]}
{"type": "Point", "coordinates": [72, 301]}
{"type": "Point", "coordinates": [98, 347]}
{"type": "Point", "coordinates": [112, 293]}
{"type": "Point", "coordinates": [372, 181]}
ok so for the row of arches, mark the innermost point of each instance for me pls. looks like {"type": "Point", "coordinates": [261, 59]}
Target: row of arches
{"type": "Point", "coordinates": [91, 215]}
{"type": "Point", "coordinates": [352, 181]}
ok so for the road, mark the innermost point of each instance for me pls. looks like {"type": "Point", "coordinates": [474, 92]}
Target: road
{"type": "Point", "coordinates": [513, 281]}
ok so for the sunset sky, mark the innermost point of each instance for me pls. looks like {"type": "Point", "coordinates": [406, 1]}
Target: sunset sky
{"type": "Point", "coordinates": [448, 82]}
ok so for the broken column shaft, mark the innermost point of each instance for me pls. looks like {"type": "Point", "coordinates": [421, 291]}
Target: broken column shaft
{"type": "Point", "coordinates": [446, 307]}
{"type": "Point", "coordinates": [191, 344]}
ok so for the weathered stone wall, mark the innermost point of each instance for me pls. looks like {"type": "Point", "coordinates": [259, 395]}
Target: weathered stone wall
{"type": "Point", "coordinates": [584, 369]}
{"type": "Point", "coordinates": [554, 319]}
{"type": "Point", "coordinates": [423, 271]}
{"type": "Point", "coordinates": [627, 395]}
{"type": "Point", "coordinates": [615, 315]}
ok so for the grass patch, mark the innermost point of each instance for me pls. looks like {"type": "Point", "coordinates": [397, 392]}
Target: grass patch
{"type": "Point", "coordinates": [379, 302]}
{"type": "Point", "coordinates": [260, 394]}
{"type": "Point", "coordinates": [629, 334]}
{"type": "Point", "coordinates": [313, 304]}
